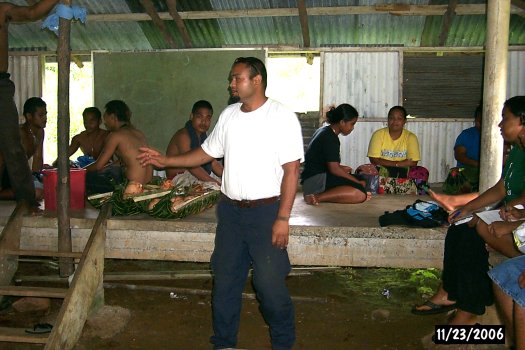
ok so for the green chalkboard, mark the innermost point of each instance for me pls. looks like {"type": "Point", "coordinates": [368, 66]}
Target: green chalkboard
{"type": "Point", "coordinates": [161, 87]}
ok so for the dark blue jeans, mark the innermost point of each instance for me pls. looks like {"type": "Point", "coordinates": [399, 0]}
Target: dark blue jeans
{"type": "Point", "coordinates": [244, 239]}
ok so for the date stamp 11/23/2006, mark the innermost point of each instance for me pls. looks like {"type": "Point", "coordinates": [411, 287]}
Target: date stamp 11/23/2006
{"type": "Point", "coordinates": [475, 334]}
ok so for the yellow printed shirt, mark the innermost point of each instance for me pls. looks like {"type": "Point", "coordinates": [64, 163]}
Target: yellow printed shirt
{"type": "Point", "coordinates": [405, 147]}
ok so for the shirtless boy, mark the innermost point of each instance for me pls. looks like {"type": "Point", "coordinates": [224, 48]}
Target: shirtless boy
{"type": "Point", "coordinates": [32, 138]}
{"type": "Point", "coordinates": [123, 141]}
{"type": "Point", "coordinates": [91, 140]}
{"type": "Point", "coordinates": [191, 136]}
{"type": "Point", "coordinates": [10, 145]}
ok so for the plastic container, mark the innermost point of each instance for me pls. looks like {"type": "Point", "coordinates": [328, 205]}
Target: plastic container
{"type": "Point", "coordinates": [77, 188]}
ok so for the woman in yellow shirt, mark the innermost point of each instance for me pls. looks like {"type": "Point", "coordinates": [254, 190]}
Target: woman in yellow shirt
{"type": "Point", "coordinates": [394, 151]}
{"type": "Point", "coordinates": [394, 146]}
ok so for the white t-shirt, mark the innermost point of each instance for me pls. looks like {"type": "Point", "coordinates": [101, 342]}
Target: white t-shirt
{"type": "Point", "coordinates": [255, 145]}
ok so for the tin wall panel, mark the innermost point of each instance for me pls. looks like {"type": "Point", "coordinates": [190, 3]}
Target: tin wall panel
{"type": "Point", "coordinates": [369, 81]}
{"type": "Point", "coordinates": [516, 73]}
{"type": "Point", "coordinates": [436, 143]}
{"type": "Point", "coordinates": [27, 76]}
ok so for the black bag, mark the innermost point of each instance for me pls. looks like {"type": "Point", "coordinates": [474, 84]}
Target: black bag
{"type": "Point", "coordinates": [420, 214]}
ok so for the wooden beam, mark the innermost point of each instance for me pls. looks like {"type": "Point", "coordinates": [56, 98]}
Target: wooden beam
{"type": "Point", "coordinates": [447, 21]}
{"type": "Point", "coordinates": [520, 4]}
{"type": "Point", "coordinates": [404, 10]}
{"type": "Point", "coordinates": [87, 283]}
{"type": "Point", "coordinates": [159, 23]}
{"type": "Point", "coordinates": [303, 18]}
{"type": "Point", "coordinates": [19, 335]}
{"type": "Point", "coordinates": [172, 8]}
{"type": "Point", "coordinates": [494, 91]}
{"type": "Point", "coordinates": [39, 292]}
{"type": "Point", "coordinates": [10, 240]}
{"type": "Point", "coordinates": [63, 190]}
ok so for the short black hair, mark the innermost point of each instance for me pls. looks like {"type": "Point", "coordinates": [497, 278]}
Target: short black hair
{"type": "Point", "coordinates": [256, 67]}
{"type": "Point", "coordinates": [344, 112]}
{"type": "Point", "coordinates": [120, 109]}
{"type": "Point", "coordinates": [93, 110]}
{"type": "Point", "coordinates": [399, 108]}
{"type": "Point", "coordinates": [201, 104]}
{"type": "Point", "coordinates": [32, 104]}
{"type": "Point", "coordinates": [516, 106]}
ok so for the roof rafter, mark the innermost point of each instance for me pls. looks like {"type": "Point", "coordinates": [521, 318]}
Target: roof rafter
{"type": "Point", "coordinates": [519, 4]}
{"type": "Point", "coordinates": [159, 23]}
{"type": "Point", "coordinates": [393, 9]}
{"type": "Point", "coordinates": [303, 18]}
{"type": "Point", "coordinates": [447, 21]}
{"type": "Point", "coordinates": [172, 8]}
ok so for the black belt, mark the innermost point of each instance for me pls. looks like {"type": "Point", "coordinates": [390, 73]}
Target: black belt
{"type": "Point", "coordinates": [4, 75]}
{"type": "Point", "coordinates": [246, 203]}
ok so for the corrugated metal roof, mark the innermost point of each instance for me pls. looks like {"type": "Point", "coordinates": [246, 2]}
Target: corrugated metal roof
{"type": "Point", "coordinates": [325, 30]}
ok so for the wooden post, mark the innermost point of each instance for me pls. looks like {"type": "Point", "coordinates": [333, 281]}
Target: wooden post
{"type": "Point", "coordinates": [10, 240]}
{"type": "Point", "coordinates": [86, 292]}
{"type": "Point", "coordinates": [494, 91]}
{"type": "Point", "coordinates": [64, 60]}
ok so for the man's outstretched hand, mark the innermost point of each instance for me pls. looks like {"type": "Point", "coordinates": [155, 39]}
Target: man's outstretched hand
{"type": "Point", "coordinates": [151, 156]}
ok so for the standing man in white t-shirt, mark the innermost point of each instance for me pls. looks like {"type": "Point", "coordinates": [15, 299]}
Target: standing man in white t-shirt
{"type": "Point", "coordinates": [262, 146]}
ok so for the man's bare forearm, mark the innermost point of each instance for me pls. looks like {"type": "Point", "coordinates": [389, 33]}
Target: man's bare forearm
{"type": "Point", "coordinates": [191, 159]}
{"type": "Point", "coordinates": [288, 189]}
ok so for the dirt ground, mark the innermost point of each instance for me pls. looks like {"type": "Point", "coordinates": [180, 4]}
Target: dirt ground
{"type": "Point", "coordinates": [340, 308]}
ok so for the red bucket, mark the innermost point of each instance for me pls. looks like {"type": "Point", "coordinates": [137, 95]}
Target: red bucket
{"type": "Point", "coordinates": [77, 188]}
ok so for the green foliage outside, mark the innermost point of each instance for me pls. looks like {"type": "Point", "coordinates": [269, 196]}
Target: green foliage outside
{"type": "Point", "coordinates": [80, 97]}
{"type": "Point", "coordinates": [386, 286]}
{"type": "Point", "coordinates": [425, 280]}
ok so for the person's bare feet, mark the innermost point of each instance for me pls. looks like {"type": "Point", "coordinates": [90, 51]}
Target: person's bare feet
{"type": "Point", "coordinates": [310, 199]}
{"type": "Point", "coordinates": [441, 199]}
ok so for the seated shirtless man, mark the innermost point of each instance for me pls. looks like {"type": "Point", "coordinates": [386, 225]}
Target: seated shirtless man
{"type": "Point", "coordinates": [123, 141]}
{"type": "Point", "coordinates": [91, 140]}
{"type": "Point", "coordinates": [191, 136]}
{"type": "Point", "coordinates": [32, 138]}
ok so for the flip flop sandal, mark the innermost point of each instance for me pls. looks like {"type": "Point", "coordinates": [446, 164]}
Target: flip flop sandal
{"type": "Point", "coordinates": [40, 328]}
{"type": "Point", "coordinates": [433, 308]}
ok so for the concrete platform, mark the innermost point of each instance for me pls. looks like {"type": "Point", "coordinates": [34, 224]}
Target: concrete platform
{"type": "Point", "coordinates": [324, 235]}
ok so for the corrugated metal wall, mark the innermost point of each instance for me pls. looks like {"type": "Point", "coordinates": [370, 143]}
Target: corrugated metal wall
{"type": "Point", "coordinates": [516, 76]}
{"type": "Point", "coordinates": [436, 142]}
{"type": "Point", "coordinates": [442, 86]}
{"type": "Point", "coordinates": [26, 73]}
{"type": "Point", "coordinates": [367, 79]}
